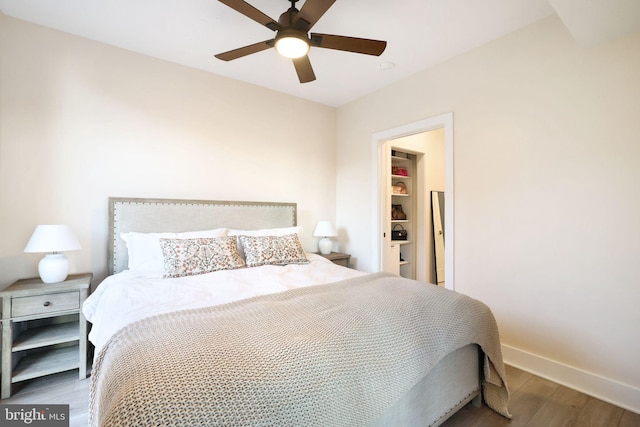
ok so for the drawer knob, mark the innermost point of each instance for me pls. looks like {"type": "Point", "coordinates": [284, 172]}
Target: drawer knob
{"type": "Point", "coordinates": [46, 304]}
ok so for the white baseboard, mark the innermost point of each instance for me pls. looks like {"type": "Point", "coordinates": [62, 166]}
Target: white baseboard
{"type": "Point", "coordinates": [614, 392]}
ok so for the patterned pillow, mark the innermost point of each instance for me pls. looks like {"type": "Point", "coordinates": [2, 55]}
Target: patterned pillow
{"type": "Point", "coordinates": [188, 257]}
{"type": "Point", "coordinates": [144, 248]}
{"type": "Point", "coordinates": [273, 250]}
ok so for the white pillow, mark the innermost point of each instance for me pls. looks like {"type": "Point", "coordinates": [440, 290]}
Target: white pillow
{"type": "Point", "coordinates": [267, 231]}
{"type": "Point", "coordinates": [264, 232]}
{"type": "Point", "coordinates": [145, 252]}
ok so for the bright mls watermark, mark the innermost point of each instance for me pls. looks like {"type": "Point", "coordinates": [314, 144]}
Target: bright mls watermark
{"type": "Point", "coordinates": [34, 415]}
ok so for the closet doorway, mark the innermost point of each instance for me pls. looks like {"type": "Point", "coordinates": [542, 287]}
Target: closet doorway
{"type": "Point", "coordinates": [417, 139]}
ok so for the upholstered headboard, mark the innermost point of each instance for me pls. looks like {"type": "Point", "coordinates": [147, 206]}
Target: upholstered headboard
{"type": "Point", "coordinates": [173, 215]}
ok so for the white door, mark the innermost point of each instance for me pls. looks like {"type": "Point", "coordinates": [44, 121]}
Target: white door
{"type": "Point", "coordinates": [438, 236]}
{"type": "Point", "coordinates": [390, 253]}
{"type": "Point", "coordinates": [392, 262]}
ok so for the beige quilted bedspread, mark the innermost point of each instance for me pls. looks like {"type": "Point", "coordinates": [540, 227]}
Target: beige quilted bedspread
{"type": "Point", "coordinates": [329, 355]}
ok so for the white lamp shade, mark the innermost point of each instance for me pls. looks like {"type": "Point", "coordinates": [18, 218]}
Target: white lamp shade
{"type": "Point", "coordinates": [324, 229]}
{"type": "Point", "coordinates": [52, 238]}
{"type": "Point", "coordinates": [54, 267]}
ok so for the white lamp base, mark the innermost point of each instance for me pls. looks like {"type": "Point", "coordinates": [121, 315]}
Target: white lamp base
{"type": "Point", "coordinates": [324, 246]}
{"type": "Point", "coordinates": [53, 268]}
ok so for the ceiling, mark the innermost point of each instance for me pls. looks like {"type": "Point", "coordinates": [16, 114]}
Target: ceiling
{"type": "Point", "coordinates": [420, 34]}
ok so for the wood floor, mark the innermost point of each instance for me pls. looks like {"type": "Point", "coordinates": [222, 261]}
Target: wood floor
{"type": "Point", "coordinates": [63, 388]}
{"type": "Point", "coordinates": [535, 402]}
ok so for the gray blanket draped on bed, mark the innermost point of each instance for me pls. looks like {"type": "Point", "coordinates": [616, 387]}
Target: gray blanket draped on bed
{"type": "Point", "coordinates": [328, 355]}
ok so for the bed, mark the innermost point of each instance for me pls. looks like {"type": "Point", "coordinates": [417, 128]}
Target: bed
{"type": "Point", "coordinates": [250, 339]}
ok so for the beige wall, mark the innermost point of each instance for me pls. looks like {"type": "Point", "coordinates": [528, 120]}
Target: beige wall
{"type": "Point", "coordinates": [82, 121]}
{"type": "Point", "coordinates": [547, 195]}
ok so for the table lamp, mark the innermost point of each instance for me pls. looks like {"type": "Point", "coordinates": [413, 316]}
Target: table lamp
{"type": "Point", "coordinates": [325, 230]}
{"type": "Point", "coordinates": [53, 239]}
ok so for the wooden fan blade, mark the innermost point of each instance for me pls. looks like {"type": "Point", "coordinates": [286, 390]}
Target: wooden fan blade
{"type": "Point", "coordinates": [349, 44]}
{"type": "Point", "coordinates": [251, 12]}
{"type": "Point", "coordinates": [312, 11]}
{"type": "Point", "coordinates": [304, 69]}
{"type": "Point", "coordinates": [246, 50]}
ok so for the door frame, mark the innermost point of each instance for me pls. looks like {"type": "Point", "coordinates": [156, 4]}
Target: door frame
{"type": "Point", "coordinates": [378, 139]}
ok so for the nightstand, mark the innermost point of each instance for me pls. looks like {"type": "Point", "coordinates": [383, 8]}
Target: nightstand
{"type": "Point", "coordinates": [38, 335]}
{"type": "Point", "coordinates": [337, 258]}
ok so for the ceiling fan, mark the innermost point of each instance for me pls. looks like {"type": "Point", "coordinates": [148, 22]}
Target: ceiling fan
{"type": "Point", "coordinates": [293, 39]}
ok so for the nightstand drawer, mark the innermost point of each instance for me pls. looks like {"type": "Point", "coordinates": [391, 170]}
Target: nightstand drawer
{"type": "Point", "coordinates": [341, 261]}
{"type": "Point", "coordinates": [43, 304]}
{"type": "Point", "coordinates": [337, 258]}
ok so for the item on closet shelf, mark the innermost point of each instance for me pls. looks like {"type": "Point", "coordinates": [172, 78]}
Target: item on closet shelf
{"type": "Point", "coordinates": [397, 213]}
{"type": "Point", "coordinates": [399, 188]}
{"type": "Point", "coordinates": [399, 170]}
{"type": "Point", "coordinates": [398, 234]}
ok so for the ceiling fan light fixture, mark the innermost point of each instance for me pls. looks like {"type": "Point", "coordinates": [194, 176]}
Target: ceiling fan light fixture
{"type": "Point", "coordinates": [292, 46]}
{"type": "Point", "coordinates": [293, 39]}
